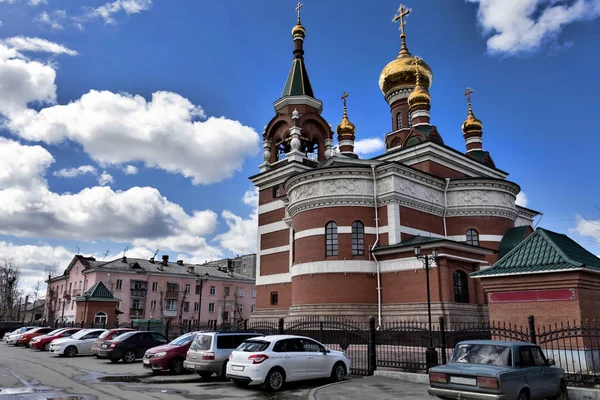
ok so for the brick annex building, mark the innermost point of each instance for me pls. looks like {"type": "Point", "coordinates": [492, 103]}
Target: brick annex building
{"type": "Point", "coordinates": [336, 233]}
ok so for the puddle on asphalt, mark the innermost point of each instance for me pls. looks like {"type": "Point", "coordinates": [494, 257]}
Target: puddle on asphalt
{"type": "Point", "coordinates": [15, 391]}
{"type": "Point", "coordinates": [122, 378]}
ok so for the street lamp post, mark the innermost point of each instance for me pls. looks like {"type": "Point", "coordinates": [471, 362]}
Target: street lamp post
{"type": "Point", "coordinates": [201, 281]}
{"type": "Point", "coordinates": [87, 296]}
{"type": "Point", "coordinates": [431, 356]}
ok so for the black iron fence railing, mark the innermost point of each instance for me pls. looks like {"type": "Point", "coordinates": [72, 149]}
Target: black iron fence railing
{"type": "Point", "coordinates": [406, 346]}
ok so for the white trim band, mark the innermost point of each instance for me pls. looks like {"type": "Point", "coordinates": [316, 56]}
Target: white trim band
{"type": "Point", "coordinates": [273, 279]}
{"type": "Point", "coordinates": [369, 230]}
{"type": "Point", "coordinates": [272, 206]}
{"type": "Point", "coordinates": [334, 267]}
{"type": "Point", "coordinates": [274, 250]}
{"type": "Point", "coordinates": [473, 140]}
{"type": "Point", "coordinates": [274, 227]}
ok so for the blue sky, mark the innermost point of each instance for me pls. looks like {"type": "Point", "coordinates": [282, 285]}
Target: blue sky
{"type": "Point", "coordinates": [137, 122]}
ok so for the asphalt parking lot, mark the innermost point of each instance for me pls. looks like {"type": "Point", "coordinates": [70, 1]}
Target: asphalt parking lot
{"type": "Point", "coordinates": [32, 374]}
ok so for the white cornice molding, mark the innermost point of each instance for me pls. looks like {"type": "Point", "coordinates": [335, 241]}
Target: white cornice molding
{"type": "Point", "coordinates": [334, 267]}
{"type": "Point", "coordinates": [273, 279]}
{"type": "Point", "coordinates": [275, 250]}
{"type": "Point", "coordinates": [292, 100]}
{"type": "Point", "coordinates": [276, 176]}
{"type": "Point", "coordinates": [272, 206]}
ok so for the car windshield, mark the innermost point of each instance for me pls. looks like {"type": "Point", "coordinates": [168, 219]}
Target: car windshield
{"type": "Point", "coordinates": [55, 332]}
{"type": "Point", "coordinates": [184, 339]}
{"type": "Point", "coordinates": [202, 342]}
{"type": "Point", "coordinates": [79, 334]}
{"type": "Point", "coordinates": [124, 336]}
{"type": "Point", "coordinates": [253, 346]}
{"type": "Point", "coordinates": [487, 354]}
{"type": "Point", "coordinates": [104, 335]}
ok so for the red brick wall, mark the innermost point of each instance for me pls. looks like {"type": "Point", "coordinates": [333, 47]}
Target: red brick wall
{"type": "Point", "coordinates": [94, 307]}
{"type": "Point", "coordinates": [421, 220]}
{"type": "Point", "coordinates": [271, 216]}
{"type": "Point", "coordinates": [263, 295]}
{"type": "Point", "coordinates": [438, 170]}
{"type": "Point", "coordinates": [277, 263]}
{"type": "Point", "coordinates": [483, 225]}
{"type": "Point", "coordinates": [343, 216]}
{"type": "Point", "coordinates": [408, 286]}
{"type": "Point", "coordinates": [348, 288]}
{"type": "Point", "coordinates": [274, 239]}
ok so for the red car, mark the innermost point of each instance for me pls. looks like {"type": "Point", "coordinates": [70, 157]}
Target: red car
{"type": "Point", "coordinates": [106, 336]}
{"type": "Point", "coordinates": [169, 356]}
{"type": "Point", "coordinates": [42, 342]}
{"type": "Point", "coordinates": [26, 337]}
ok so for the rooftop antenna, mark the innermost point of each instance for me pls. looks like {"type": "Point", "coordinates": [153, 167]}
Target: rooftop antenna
{"type": "Point", "coordinates": [154, 256]}
{"type": "Point", "coordinates": [125, 251]}
{"type": "Point", "coordinates": [77, 247]}
{"type": "Point", "coordinates": [105, 254]}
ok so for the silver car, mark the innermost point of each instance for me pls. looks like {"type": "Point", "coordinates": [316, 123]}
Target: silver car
{"type": "Point", "coordinates": [209, 352]}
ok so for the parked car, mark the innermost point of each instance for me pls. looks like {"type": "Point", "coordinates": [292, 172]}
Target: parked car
{"type": "Point", "coordinates": [487, 369]}
{"type": "Point", "coordinates": [11, 338]}
{"type": "Point", "coordinates": [106, 336]}
{"type": "Point", "coordinates": [169, 356]}
{"type": "Point", "coordinates": [25, 338]}
{"type": "Point", "coordinates": [209, 352]}
{"type": "Point", "coordinates": [130, 345]}
{"type": "Point", "coordinates": [272, 361]}
{"type": "Point", "coordinates": [78, 343]}
{"type": "Point", "coordinates": [42, 342]}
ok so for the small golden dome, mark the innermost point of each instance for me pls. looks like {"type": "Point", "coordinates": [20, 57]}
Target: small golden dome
{"type": "Point", "coordinates": [472, 124]}
{"type": "Point", "coordinates": [345, 128]}
{"type": "Point", "coordinates": [298, 30]}
{"type": "Point", "coordinates": [401, 72]}
{"type": "Point", "coordinates": [419, 96]}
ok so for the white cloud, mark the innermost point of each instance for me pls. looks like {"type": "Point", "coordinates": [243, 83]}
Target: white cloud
{"type": "Point", "coordinates": [251, 197]}
{"type": "Point", "coordinates": [52, 22]}
{"type": "Point", "coordinates": [368, 146]}
{"type": "Point", "coordinates": [106, 11]}
{"type": "Point", "coordinates": [242, 234]}
{"type": "Point", "coordinates": [130, 170]}
{"type": "Point", "coordinates": [33, 44]}
{"type": "Point", "coordinates": [74, 172]}
{"type": "Point", "coordinates": [162, 133]}
{"type": "Point", "coordinates": [105, 179]}
{"type": "Point", "coordinates": [21, 166]}
{"type": "Point", "coordinates": [523, 25]}
{"type": "Point", "coordinates": [37, 2]}
{"type": "Point", "coordinates": [587, 227]}
{"type": "Point", "coordinates": [137, 252]}
{"type": "Point", "coordinates": [522, 199]}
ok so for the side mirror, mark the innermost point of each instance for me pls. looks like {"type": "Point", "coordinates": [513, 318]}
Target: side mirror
{"type": "Point", "coordinates": [551, 362]}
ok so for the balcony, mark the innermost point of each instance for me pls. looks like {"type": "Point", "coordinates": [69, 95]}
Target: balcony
{"type": "Point", "coordinates": [170, 313]}
{"type": "Point", "coordinates": [138, 292]}
{"type": "Point", "coordinates": [136, 312]}
{"type": "Point", "coordinates": [172, 294]}
{"type": "Point", "coordinates": [76, 292]}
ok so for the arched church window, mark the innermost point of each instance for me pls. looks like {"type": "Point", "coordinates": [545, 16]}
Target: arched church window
{"type": "Point", "coordinates": [472, 237]}
{"type": "Point", "coordinates": [461, 287]}
{"type": "Point", "coordinates": [311, 149]}
{"type": "Point", "coordinates": [100, 318]}
{"type": "Point", "coordinates": [282, 149]}
{"type": "Point", "coordinates": [331, 239]}
{"type": "Point", "coordinates": [399, 120]}
{"type": "Point", "coordinates": [358, 238]}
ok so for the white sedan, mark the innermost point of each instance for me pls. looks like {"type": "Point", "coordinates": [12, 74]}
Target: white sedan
{"type": "Point", "coordinates": [12, 337]}
{"type": "Point", "coordinates": [273, 360]}
{"type": "Point", "coordinates": [80, 343]}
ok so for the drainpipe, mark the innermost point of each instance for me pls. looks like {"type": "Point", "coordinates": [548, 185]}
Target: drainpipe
{"type": "Point", "coordinates": [373, 248]}
{"type": "Point", "coordinates": [446, 206]}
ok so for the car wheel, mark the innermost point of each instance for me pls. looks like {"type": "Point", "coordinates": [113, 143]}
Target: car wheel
{"type": "Point", "coordinates": [205, 374]}
{"type": "Point", "coordinates": [275, 379]}
{"type": "Point", "coordinates": [176, 366]}
{"type": "Point", "coordinates": [129, 357]}
{"type": "Point", "coordinates": [224, 371]}
{"type": "Point", "coordinates": [523, 395]}
{"type": "Point", "coordinates": [71, 351]}
{"type": "Point", "coordinates": [338, 373]}
{"type": "Point", "coordinates": [46, 347]}
{"type": "Point", "coordinates": [240, 383]}
{"type": "Point", "coordinates": [563, 394]}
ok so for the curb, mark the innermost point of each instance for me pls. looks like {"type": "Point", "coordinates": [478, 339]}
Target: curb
{"type": "Point", "coordinates": [311, 395]}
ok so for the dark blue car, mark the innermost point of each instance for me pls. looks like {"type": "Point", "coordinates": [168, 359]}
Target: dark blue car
{"type": "Point", "coordinates": [498, 370]}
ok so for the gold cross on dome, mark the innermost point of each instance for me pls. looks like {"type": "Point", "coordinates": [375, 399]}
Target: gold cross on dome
{"type": "Point", "coordinates": [468, 93]}
{"type": "Point", "coordinates": [298, 8]}
{"type": "Point", "coordinates": [344, 97]}
{"type": "Point", "coordinates": [416, 61]}
{"type": "Point", "coordinates": [402, 12]}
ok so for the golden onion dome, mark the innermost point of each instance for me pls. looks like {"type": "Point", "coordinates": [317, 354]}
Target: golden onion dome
{"type": "Point", "coordinates": [419, 96]}
{"type": "Point", "coordinates": [346, 128]}
{"type": "Point", "coordinates": [298, 30]}
{"type": "Point", "coordinates": [401, 72]}
{"type": "Point", "coordinates": [472, 124]}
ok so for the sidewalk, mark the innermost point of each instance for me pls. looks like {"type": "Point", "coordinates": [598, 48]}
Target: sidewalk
{"type": "Point", "coordinates": [372, 387]}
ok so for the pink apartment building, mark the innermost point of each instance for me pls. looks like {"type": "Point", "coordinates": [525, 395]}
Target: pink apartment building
{"type": "Point", "coordinates": [149, 289]}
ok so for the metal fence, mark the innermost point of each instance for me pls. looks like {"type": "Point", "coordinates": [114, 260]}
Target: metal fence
{"type": "Point", "coordinates": [411, 346]}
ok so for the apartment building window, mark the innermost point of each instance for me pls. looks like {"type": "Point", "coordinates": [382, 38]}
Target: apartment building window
{"type": "Point", "coordinates": [196, 306]}
{"type": "Point", "coordinates": [253, 293]}
{"type": "Point", "coordinates": [211, 307]}
{"type": "Point", "coordinates": [172, 287]}
{"type": "Point", "coordinates": [197, 289]}
{"type": "Point", "coordinates": [187, 288]}
{"type": "Point", "coordinates": [186, 306]}
{"type": "Point", "coordinates": [253, 308]}
{"type": "Point", "coordinates": [213, 290]}
{"type": "Point", "coordinates": [185, 322]}
{"type": "Point", "coordinates": [171, 305]}
{"type": "Point", "coordinates": [153, 305]}
{"type": "Point", "coordinates": [70, 286]}
{"type": "Point", "coordinates": [119, 284]}
{"type": "Point", "coordinates": [274, 298]}
{"type": "Point", "coordinates": [136, 304]}
{"type": "Point", "coordinates": [226, 288]}
{"type": "Point", "coordinates": [154, 286]}
{"type": "Point", "coordinates": [240, 292]}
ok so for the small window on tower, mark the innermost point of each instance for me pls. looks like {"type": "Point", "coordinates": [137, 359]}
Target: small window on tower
{"type": "Point", "coordinates": [472, 237]}
{"type": "Point", "coordinates": [410, 120]}
{"type": "Point", "coordinates": [399, 120]}
{"type": "Point", "coordinates": [274, 298]}
{"type": "Point", "coordinates": [276, 191]}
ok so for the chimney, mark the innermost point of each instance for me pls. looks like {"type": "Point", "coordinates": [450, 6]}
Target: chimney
{"type": "Point", "coordinates": [124, 259]}
{"type": "Point", "coordinates": [179, 262]}
{"type": "Point", "coordinates": [165, 259]}
{"type": "Point", "coordinates": [190, 269]}
{"type": "Point", "coordinates": [159, 267]}
{"type": "Point", "coordinates": [152, 260]}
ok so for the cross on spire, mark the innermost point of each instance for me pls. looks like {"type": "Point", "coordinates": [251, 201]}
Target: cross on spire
{"type": "Point", "coordinates": [298, 8]}
{"type": "Point", "coordinates": [402, 12]}
{"type": "Point", "coordinates": [468, 93]}
{"type": "Point", "coordinates": [416, 61]}
{"type": "Point", "coordinates": [344, 97]}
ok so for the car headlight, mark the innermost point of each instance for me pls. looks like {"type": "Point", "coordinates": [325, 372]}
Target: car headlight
{"type": "Point", "coordinates": [161, 354]}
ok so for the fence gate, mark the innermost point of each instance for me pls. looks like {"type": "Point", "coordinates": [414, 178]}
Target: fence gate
{"type": "Point", "coordinates": [340, 335]}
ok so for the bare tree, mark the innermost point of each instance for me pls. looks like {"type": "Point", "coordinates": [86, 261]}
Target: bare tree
{"type": "Point", "coordinates": [35, 294]}
{"type": "Point", "coordinates": [9, 283]}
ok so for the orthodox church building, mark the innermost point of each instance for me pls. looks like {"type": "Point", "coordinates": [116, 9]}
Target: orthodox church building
{"type": "Point", "coordinates": [337, 233]}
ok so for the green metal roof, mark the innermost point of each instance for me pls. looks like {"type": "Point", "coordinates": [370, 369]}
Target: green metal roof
{"type": "Point", "coordinates": [512, 238]}
{"type": "Point", "coordinates": [543, 251]}
{"type": "Point", "coordinates": [297, 83]}
{"type": "Point", "coordinates": [98, 292]}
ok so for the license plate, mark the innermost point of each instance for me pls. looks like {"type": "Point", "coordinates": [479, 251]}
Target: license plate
{"type": "Point", "coordinates": [146, 361]}
{"type": "Point", "coordinates": [463, 381]}
{"type": "Point", "coordinates": [237, 368]}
